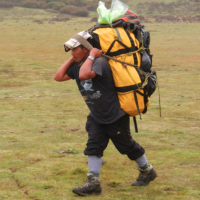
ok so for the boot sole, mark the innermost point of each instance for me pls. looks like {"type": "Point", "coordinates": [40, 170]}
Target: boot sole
{"type": "Point", "coordinates": [87, 194]}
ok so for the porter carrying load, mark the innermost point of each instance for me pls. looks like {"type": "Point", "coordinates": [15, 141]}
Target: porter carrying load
{"type": "Point", "coordinates": [125, 43]}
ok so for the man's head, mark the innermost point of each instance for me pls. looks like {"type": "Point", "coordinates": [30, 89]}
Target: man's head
{"type": "Point", "coordinates": [79, 45]}
{"type": "Point", "coordinates": [80, 53]}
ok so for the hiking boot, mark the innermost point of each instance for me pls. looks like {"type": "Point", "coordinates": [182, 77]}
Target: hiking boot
{"type": "Point", "coordinates": [145, 176]}
{"type": "Point", "coordinates": [93, 186]}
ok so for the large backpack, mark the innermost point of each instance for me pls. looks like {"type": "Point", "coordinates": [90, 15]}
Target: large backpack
{"type": "Point", "coordinates": [126, 43]}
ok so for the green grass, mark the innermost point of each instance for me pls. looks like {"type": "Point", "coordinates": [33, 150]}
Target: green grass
{"type": "Point", "coordinates": [39, 116]}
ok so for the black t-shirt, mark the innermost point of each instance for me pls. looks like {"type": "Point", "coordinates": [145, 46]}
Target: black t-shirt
{"type": "Point", "coordinates": [99, 93]}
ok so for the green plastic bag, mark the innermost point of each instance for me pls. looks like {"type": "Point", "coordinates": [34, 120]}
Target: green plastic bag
{"type": "Point", "coordinates": [107, 16]}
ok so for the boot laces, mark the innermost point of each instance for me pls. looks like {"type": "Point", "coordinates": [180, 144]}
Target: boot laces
{"type": "Point", "coordinates": [141, 177]}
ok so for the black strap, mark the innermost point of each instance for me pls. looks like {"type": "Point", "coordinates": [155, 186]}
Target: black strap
{"type": "Point", "coordinates": [133, 45]}
{"type": "Point", "coordinates": [142, 94]}
{"type": "Point", "coordinates": [127, 88]}
{"type": "Point", "coordinates": [118, 35]}
{"type": "Point", "coordinates": [121, 51]}
{"type": "Point", "coordinates": [136, 102]}
{"type": "Point", "coordinates": [111, 46]}
{"type": "Point", "coordinates": [158, 94]}
{"type": "Point", "coordinates": [135, 123]}
{"type": "Point", "coordinates": [118, 23]}
{"type": "Point", "coordinates": [145, 95]}
{"type": "Point", "coordinates": [132, 25]}
{"type": "Point", "coordinates": [145, 101]}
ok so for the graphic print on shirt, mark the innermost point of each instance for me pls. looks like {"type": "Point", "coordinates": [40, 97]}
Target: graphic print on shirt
{"type": "Point", "coordinates": [90, 93]}
{"type": "Point", "coordinates": [87, 85]}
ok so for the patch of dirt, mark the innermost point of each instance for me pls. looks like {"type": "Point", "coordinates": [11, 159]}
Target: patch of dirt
{"type": "Point", "coordinates": [94, 19]}
{"type": "Point", "coordinates": [52, 20]}
{"type": "Point", "coordinates": [11, 85]}
{"type": "Point", "coordinates": [51, 10]}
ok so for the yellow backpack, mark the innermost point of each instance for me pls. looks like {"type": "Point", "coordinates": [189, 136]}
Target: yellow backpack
{"type": "Point", "coordinates": [126, 44]}
{"type": "Point", "coordinates": [128, 79]}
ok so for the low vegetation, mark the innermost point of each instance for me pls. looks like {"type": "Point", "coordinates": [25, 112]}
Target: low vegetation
{"type": "Point", "coordinates": [82, 7]}
{"type": "Point", "coordinates": [73, 10]}
{"type": "Point", "coordinates": [42, 126]}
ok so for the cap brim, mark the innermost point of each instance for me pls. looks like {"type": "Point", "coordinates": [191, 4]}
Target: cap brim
{"type": "Point", "coordinates": [73, 43]}
{"type": "Point", "coordinates": [70, 44]}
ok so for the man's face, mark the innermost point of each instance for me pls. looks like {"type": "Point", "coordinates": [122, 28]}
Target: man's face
{"type": "Point", "coordinates": [79, 54]}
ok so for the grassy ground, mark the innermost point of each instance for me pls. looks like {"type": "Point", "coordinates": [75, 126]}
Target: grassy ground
{"type": "Point", "coordinates": [39, 116]}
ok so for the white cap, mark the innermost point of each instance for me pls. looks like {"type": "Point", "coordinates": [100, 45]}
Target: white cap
{"type": "Point", "coordinates": [72, 43]}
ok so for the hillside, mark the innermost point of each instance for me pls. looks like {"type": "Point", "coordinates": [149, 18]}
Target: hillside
{"type": "Point", "coordinates": [85, 7]}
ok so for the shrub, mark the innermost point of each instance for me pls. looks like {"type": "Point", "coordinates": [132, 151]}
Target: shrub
{"type": "Point", "coordinates": [47, 1]}
{"type": "Point", "coordinates": [55, 5]}
{"type": "Point", "coordinates": [73, 10]}
{"type": "Point", "coordinates": [67, 2]}
{"type": "Point", "coordinates": [82, 12]}
{"type": "Point", "coordinates": [93, 6]}
{"type": "Point", "coordinates": [30, 4]}
{"type": "Point", "coordinates": [14, 2]}
{"type": "Point", "coordinates": [43, 5]}
{"type": "Point", "coordinates": [78, 3]}
{"type": "Point", "coordinates": [67, 9]}
{"type": "Point", "coordinates": [6, 4]}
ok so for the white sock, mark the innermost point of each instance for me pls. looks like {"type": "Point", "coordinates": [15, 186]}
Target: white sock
{"type": "Point", "coordinates": [94, 164]}
{"type": "Point", "coordinates": [142, 162]}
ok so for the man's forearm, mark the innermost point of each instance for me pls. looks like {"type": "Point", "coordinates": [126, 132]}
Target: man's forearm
{"type": "Point", "coordinates": [61, 73]}
{"type": "Point", "coordinates": [86, 71]}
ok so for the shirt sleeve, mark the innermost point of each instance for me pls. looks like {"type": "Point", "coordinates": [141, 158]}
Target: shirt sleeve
{"type": "Point", "coordinates": [100, 65]}
{"type": "Point", "coordinates": [70, 72]}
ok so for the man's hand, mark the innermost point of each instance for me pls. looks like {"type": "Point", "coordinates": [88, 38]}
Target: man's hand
{"type": "Point", "coordinates": [95, 53]}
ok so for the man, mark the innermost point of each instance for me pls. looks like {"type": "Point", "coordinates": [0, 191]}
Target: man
{"type": "Point", "coordinates": [106, 119]}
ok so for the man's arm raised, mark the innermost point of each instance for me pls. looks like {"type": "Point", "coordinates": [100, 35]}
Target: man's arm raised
{"type": "Point", "coordinates": [86, 71]}
{"type": "Point", "coordinates": [61, 73]}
